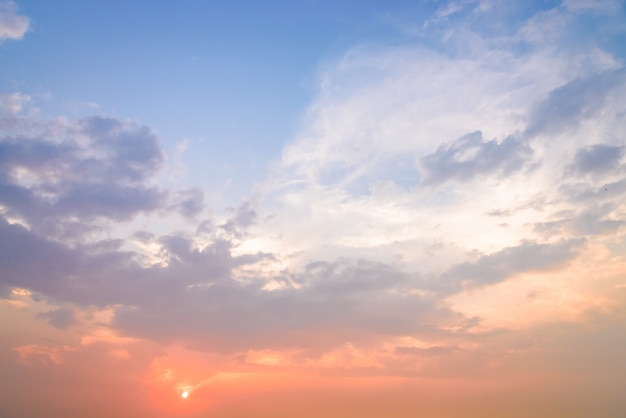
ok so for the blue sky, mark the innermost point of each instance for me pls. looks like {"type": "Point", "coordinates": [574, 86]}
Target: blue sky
{"type": "Point", "coordinates": [212, 197]}
{"type": "Point", "coordinates": [234, 79]}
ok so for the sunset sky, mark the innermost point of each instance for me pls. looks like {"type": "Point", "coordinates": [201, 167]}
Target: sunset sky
{"type": "Point", "coordinates": [312, 209]}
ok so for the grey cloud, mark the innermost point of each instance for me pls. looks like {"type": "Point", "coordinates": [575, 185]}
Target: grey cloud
{"type": "Point", "coordinates": [34, 153]}
{"type": "Point", "coordinates": [537, 203]}
{"type": "Point", "coordinates": [196, 300]}
{"type": "Point", "coordinates": [125, 152]}
{"type": "Point", "coordinates": [433, 351]}
{"type": "Point", "coordinates": [583, 192]}
{"type": "Point", "coordinates": [107, 245]}
{"type": "Point", "coordinates": [61, 318]}
{"type": "Point", "coordinates": [335, 302]}
{"type": "Point", "coordinates": [245, 216]}
{"type": "Point", "coordinates": [12, 25]}
{"type": "Point", "coordinates": [103, 274]}
{"type": "Point", "coordinates": [594, 220]}
{"type": "Point", "coordinates": [471, 156]}
{"type": "Point", "coordinates": [29, 261]}
{"type": "Point", "coordinates": [188, 203]}
{"type": "Point", "coordinates": [597, 158]}
{"type": "Point", "coordinates": [345, 277]}
{"type": "Point", "coordinates": [500, 266]}
{"type": "Point", "coordinates": [132, 152]}
{"type": "Point", "coordinates": [143, 236]}
{"type": "Point", "coordinates": [594, 208]}
{"type": "Point", "coordinates": [21, 201]}
{"type": "Point", "coordinates": [568, 105]}
{"type": "Point", "coordinates": [109, 201]}
{"type": "Point", "coordinates": [97, 170]}
{"type": "Point", "coordinates": [551, 228]}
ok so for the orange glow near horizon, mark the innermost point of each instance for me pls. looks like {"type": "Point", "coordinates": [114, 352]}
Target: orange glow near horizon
{"type": "Point", "coordinates": [355, 378]}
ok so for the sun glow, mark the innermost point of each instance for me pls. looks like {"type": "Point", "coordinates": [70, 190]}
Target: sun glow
{"type": "Point", "coordinates": [184, 395]}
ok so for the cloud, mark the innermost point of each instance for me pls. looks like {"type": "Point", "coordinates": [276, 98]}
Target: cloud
{"type": "Point", "coordinates": [567, 106]}
{"type": "Point", "coordinates": [12, 25]}
{"type": "Point", "coordinates": [598, 158]}
{"type": "Point", "coordinates": [358, 301]}
{"type": "Point", "coordinates": [33, 262]}
{"type": "Point", "coordinates": [129, 152]}
{"type": "Point", "coordinates": [189, 202]}
{"type": "Point", "coordinates": [598, 219]}
{"type": "Point", "coordinates": [505, 264]}
{"type": "Point", "coordinates": [245, 216]}
{"type": "Point", "coordinates": [606, 6]}
{"type": "Point", "coordinates": [196, 290]}
{"type": "Point", "coordinates": [471, 156]}
{"type": "Point", "coordinates": [64, 179]}
{"type": "Point", "coordinates": [61, 318]}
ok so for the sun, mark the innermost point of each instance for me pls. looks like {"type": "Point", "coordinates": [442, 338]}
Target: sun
{"type": "Point", "coordinates": [184, 395]}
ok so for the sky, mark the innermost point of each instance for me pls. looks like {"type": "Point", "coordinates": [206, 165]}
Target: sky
{"type": "Point", "coordinates": [313, 208]}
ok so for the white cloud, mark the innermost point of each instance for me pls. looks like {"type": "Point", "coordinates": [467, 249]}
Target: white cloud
{"type": "Point", "coordinates": [12, 25]}
{"type": "Point", "coordinates": [408, 152]}
{"type": "Point", "coordinates": [596, 5]}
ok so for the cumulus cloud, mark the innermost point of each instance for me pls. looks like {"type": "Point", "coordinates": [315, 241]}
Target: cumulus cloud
{"type": "Point", "coordinates": [12, 24]}
{"type": "Point", "coordinates": [64, 178]}
{"type": "Point", "coordinates": [95, 170]}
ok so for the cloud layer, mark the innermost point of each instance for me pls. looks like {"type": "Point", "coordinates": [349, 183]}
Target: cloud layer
{"type": "Point", "coordinates": [451, 210]}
